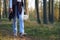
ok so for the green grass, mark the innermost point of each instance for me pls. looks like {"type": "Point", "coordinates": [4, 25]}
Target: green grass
{"type": "Point", "coordinates": [39, 31]}
{"type": "Point", "coordinates": [42, 30]}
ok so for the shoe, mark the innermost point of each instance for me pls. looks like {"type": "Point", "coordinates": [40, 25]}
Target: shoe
{"type": "Point", "coordinates": [23, 34]}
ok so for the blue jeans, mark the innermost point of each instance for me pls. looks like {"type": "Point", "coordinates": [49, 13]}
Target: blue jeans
{"type": "Point", "coordinates": [21, 21]}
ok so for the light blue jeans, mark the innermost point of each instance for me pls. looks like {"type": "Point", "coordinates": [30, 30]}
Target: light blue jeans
{"type": "Point", "coordinates": [21, 22]}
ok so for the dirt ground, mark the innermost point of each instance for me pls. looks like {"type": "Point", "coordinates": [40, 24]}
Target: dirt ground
{"type": "Point", "coordinates": [15, 38]}
{"type": "Point", "coordinates": [6, 35]}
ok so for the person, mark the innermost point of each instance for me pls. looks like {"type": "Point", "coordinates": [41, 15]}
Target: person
{"type": "Point", "coordinates": [16, 9]}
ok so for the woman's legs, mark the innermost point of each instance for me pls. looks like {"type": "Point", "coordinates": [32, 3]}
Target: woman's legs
{"type": "Point", "coordinates": [21, 22]}
{"type": "Point", "coordinates": [15, 22]}
{"type": "Point", "coordinates": [15, 26]}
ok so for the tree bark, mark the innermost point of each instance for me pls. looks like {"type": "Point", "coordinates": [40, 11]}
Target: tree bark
{"type": "Point", "coordinates": [59, 10]}
{"type": "Point", "coordinates": [26, 6]}
{"type": "Point", "coordinates": [0, 9]}
{"type": "Point", "coordinates": [45, 12]}
{"type": "Point", "coordinates": [5, 9]}
{"type": "Point", "coordinates": [37, 10]}
{"type": "Point", "coordinates": [51, 11]}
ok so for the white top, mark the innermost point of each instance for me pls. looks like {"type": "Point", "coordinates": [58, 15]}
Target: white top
{"type": "Point", "coordinates": [18, 0]}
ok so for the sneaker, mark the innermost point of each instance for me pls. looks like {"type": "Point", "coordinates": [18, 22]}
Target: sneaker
{"type": "Point", "coordinates": [23, 34]}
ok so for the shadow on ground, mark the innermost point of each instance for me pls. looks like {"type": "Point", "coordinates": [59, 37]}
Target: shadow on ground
{"type": "Point", "coordinates": [6, 34]}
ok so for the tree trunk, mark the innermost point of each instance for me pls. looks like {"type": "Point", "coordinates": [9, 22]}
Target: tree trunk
{"type": "Point", "coordinates": [51, 11]}
{"type": "Point", "coordinates": [26, 6]}
{"type": "Point", "coordinates": [37, 10]}
{"type": "Point", "coordinates": [45, 12]}
{"type": "Point", "coordinates": [5, 9]}
{"type": "Point", "coordinates": [0, 9]}
{"type": "Point", "coordinates": [59, 10]}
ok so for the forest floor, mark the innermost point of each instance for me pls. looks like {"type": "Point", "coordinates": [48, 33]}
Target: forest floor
{"type": "Point", "coordinates": [34, 31]}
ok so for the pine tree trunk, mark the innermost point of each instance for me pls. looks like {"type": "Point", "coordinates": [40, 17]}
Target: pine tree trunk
{"type": "Point", "coordinates": [59, 10]}
{"type": "Point", "coordinates": [37, 10]}
{"type": "Point", "coordinates": [5, 9]}
{"type": "Point", "coordinates": [0, 9]}
{"type": "Point", "coordinates": [51, 11]}
{"type": "Point", "coordinates": [26, 6]}
{"type": "Point", "coordinates": [45, 21]}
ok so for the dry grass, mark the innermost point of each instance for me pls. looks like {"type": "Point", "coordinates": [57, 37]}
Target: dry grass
{"type": "Point", "coordinates": [34, 31]}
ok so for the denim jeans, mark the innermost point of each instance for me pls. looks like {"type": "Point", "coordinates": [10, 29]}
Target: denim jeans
{"type": "Point", "coordinates": [21, 21]}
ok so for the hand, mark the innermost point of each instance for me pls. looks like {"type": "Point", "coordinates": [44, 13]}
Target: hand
{"type": "Point", "coordinates": [10, 10]}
